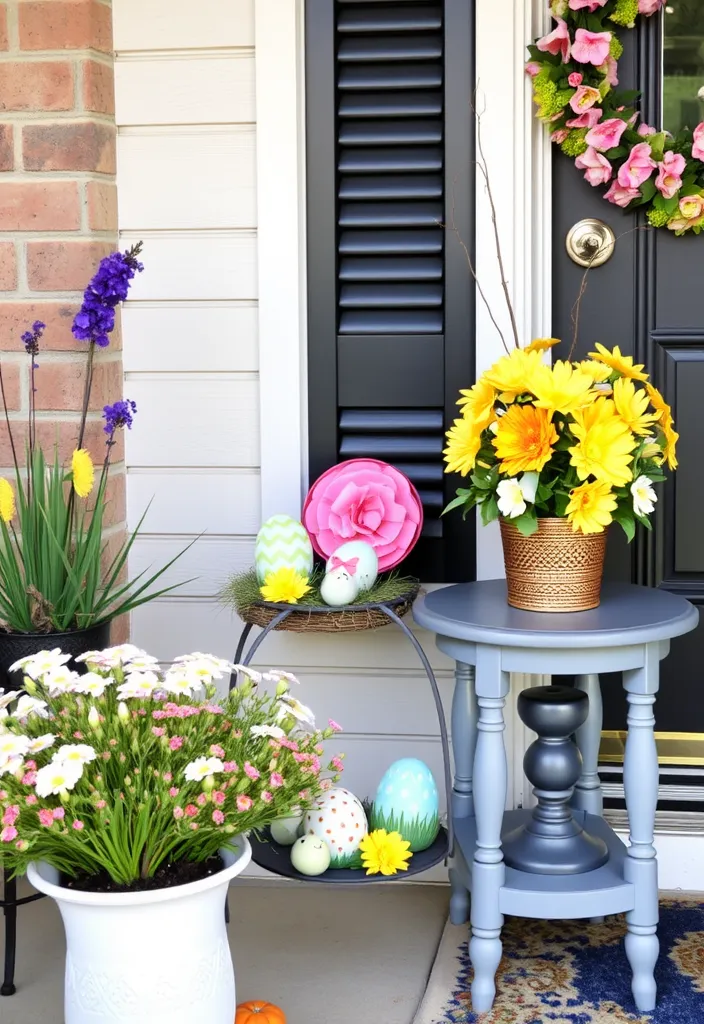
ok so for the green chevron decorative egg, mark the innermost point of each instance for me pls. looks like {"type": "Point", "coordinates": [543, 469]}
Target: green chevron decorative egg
{"type": "Point", "coordinates": [282, 543]}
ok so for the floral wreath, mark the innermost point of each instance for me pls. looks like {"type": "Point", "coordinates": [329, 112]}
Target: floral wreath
{"type": "Point", "coordinates": [574, 72]}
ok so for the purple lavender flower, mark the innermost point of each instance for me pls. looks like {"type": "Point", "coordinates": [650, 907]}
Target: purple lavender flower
{"type": "Point", "coordinates": [96, 318]}
{"type": "Point", "coordinates": [117, 415]}
{"type": "Point", "coordinates": [31, 338]}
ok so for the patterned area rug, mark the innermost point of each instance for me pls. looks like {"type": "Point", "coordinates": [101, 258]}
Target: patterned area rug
{"type": "Point", "coordinates": [573, 972]}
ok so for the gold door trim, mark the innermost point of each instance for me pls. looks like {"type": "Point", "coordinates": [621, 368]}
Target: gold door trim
{"type": "Point", "coordinates": [682, 748]}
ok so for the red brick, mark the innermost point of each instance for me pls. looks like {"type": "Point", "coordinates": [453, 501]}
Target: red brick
{"type": "Point", "coordinates": [60, 385]}
{"type": "Point", "coordinates": [8, 267]}
{"type": "Point", "coordinates": [11, 375]}
{"type": "Point", "coordinates": [58, 25]}
{"type": "Point", "coordinates": [120, 630]}
{"type": "Point", "coordinates": [16, 317]}
{"type": "Point", "coordinates": [7, 148]}
{"type": "Point", "coordinates": [115, 499]}
{"type": "Point", "coordinates": [39, 206]}
{"type": "Point", "coordinates": [4, 41]}
{"type": "Point", "coordinates": [98, 87]}
{"type": "Point", "coordinates": [63, 433]}
{"type": "Point", "coordinates": [36, 85]}
{"type": "Point", "coordinates": [77, 146]}
{"type": "Point", "coordinates": [63, 266]}
{"type": "Point", "coordinates": [102, 206]}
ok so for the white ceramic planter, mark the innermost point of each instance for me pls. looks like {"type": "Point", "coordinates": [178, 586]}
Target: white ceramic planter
{"type": "Point", "coordinates": [158, 957]}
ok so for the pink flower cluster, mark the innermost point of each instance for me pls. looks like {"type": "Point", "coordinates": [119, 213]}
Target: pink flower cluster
{"type": "Point", "coordinates": [586, 48]}
{"type": "Point", "coordinates": [171, 710]}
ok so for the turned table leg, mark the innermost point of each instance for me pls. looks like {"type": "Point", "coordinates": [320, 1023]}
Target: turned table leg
{"type": "Point", "coordinates": [490, 781]}
{"type": "Point", "coordinates": [640, 780]}
{"type": "Point", "coordinates": [464, 742]}
{"type": "Point", "coordinates": [587, 794]}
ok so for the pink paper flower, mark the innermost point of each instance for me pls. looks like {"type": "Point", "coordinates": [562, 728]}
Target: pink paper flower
{"type": "Point", "coordinates": [8, 834]}
{"type": "Point", "coordinates": [590, 47]}
{"type": "Point", "coordinates": [586, 120]}
{"type": "Point", "coordinates": [649, 7]}
{"type": "Point", "coordinates": [637, 168]}
{"type": "Point", "coordinates": [646, 129]}
{"type": "Point", "coordinates": [621, 196]}
{"type": "Point", "coordinates": [218, 817]}
{"type": "Point", "coordinates": [78, 825]}
{"type": "Point", "coordinates": [669, 179]}
{"type": "Point", "coordinates": [575, 79]}
{"type": "Point", "coordinates": [364, 499]}
{"type": "Point", "coordinates": [46, 818]}
{"type": "Point", "coordinates": [267, 796]}
{"type": "Point", "coordinates": [276, 780]}
{"type": "Point", "coordinates": [584, 98]}
{"type": "Point", "coordinates": [557, 41]}
{"type": "Point", "coordinates": [244, 802]}
{"type": "Point", "coordinates": [532, 68]}
{"type": "Point", "coordinates": [607, 134]}
{"type": "Point", "coordinates": [11, 814]}
{"type": "Point", "coordinates": [591, 5]}
{"type": "Point", "coordinates": [698, 144]}
{"type": "Point", "coordinates": [250, 771]}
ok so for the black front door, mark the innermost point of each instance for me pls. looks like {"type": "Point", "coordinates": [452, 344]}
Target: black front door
{"type": "Point", "coordinates": [649, 299]}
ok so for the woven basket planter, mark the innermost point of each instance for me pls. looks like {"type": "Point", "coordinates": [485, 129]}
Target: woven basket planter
{"type": "Point", "coordinates": [554, 570]}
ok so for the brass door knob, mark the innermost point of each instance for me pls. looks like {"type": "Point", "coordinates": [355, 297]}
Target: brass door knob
{"type": "Point", "coordinates": [590, 242]}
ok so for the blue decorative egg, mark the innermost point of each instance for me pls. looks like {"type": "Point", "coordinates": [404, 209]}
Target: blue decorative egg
{"type": "Point", "coordinates": [282, 543]}
{"type": "Point", "coordinates": [406, 801]}
{"type": "Point", "coordinates": [359, 560]}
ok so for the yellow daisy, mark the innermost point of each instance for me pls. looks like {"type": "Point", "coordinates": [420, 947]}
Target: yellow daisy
{"type": "Point", "coordinates": [285, 586]}
{"type": "Point", "coordinates": [385, 852]}
{"type": "Point", "coordinates": [631, 405]}
{"type": "Point", "coordinates": [663, 413]}
{"type": "Point", "coordinates": [590, 507]}
{"type": "Point", "coordinates": [561, 388]}
{"type": "Point", "coordinates": [82, 472]}
{"type": "Point", "coordinates": [541, 344]}
{"type": "Point", "coordinates": [7, 500]}
{"type": "Point", "coordinates": [478, 404]}
{"type": "Point", "coordinates": [510, 375]}
{"type": "Point", "coordinates": [524, 439]}
{"type": "Point", "coordinates": [620, 363]}
{"type": "Point", "coordinates": [599, 372]}
{"type": "Point", "coordinates": [463, 443]}
{"type": "Point", "coordinates": [604, 444]}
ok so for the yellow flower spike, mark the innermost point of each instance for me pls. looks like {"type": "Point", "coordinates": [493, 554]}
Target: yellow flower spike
{"type": "Point", "coordinates": [631, 405]}
{"type": "Point", "coordinates": [541, 344]}
{"type": "Point", "coordinates": [384, 852]}
{"type": "Point", "coordinates": [463, 443]}
{"type": "Point", "coordinates": [7, 500]}
{"type": "Point", "coordinates": [590, 507]}
{"type": "Point", "coordinates": [524, 439]}
{"type": "Point", "coordinates": [561, 388]}
{"type": "Point", "coordinates": [82, 472]}
{"type": "Point", "coordinates": [620, 363]}
{"type": "Point", "coordinates": [285, 586]}
{"type": "Point", "coordinates": [604, 444]}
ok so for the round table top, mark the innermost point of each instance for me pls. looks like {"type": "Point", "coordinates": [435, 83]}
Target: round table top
{"type": "Point", "coordinates": [628, 614]}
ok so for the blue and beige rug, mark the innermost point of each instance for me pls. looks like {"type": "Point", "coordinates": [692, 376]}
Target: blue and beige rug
{"type": "Point", "coordinates": [573, 972]}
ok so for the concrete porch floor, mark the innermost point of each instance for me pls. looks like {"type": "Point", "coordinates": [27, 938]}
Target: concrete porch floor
{"type": "Point", "coordinates": [322, 953]}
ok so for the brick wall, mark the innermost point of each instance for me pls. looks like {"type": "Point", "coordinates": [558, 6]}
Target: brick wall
{"type": "Point", "coordinates": [58, 213]}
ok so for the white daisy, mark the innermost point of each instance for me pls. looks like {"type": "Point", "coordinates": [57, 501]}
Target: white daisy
{"type": "Point", "coordinates": [38, 664]}
{"type": "Point", "coordinates": [92, 683]}
{"type": "Point", "coordinates": [13, 766]}
{"type": "Point", "coordinates": [141, 661]}
{"type": "Point", "coordinates": [74, 753]}
{"type": "Point", "coordinates": [138, 684]}
{"type": "Point", "coordinates": [268, 730]}
{"type": "Point", "coordinates": [7, 698]}
{"type": "Point", "coordinates": [27, 706]}
{"type": "Point", "coordinates": [182, 681]}
{"type": "Point", "coordinates": [251, 673]}
{"type": "Point", "coordinates": [60, 680]}
{"type": "Point", "coordinates": [275, 675]}
{"type": "Point", "coordinates": [12, 746]}
{"type": "Point", "coordinates": [40, 743]}
{"type": "Point", "coordinates": [202, 767]}
{"type": "Point", "coordinates": [291, 706]}
{"type": "Point", "coordinates": [56, 777]}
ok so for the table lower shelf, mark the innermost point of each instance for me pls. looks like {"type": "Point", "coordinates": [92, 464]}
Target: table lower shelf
{"type": "Point", "coordinates": [591, 894]}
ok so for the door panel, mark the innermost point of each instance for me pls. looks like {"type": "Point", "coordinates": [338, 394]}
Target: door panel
{"type": "Point", "coordinates": [648, 300]}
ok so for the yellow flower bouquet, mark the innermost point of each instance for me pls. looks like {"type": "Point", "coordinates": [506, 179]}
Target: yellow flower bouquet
{"type": "Point", "coordinates": [583, 441]}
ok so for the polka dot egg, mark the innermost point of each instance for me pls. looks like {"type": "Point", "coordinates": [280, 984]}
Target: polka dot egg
{"type": "Point", "coordinates": [407, 801]}
{"type": "Point", "coordinates": [339, 819]}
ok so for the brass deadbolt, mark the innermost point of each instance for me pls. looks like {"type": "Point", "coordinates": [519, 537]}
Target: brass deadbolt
{"type": "Point", "coordinates": [590, 242]}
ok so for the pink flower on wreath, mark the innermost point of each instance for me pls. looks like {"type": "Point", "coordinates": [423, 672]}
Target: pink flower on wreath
{"type": "Point", "coordinates": [244, 802]}
{"type": "Point", "coordinates": [698, 143]}
{"type": "Point", "coordinates": [691, 207]}
{"type": "Point", "coordinates": [46, 818]}
{"type": "Point", "coordinates": [176, 742]}
{"type": "Point", "coordinates": [276, 780]}
{"type": "Point", "coordinates": [560, 135]}
{"type": "Point", "coordinates": [557, 41]}
{"type": "Point", "coordinates": [59, 814]}
{"type": "Point", "coordinates": [218, 817]}
{"type": "Point", "coordinates": [621, 196]}
{"type": "Point", "coordinates": [590, 47]}
{"type": "Point", "coordinates": [584, 98]}
{"type": "Point", "coordinates": [250, 771]}
{"type": "Point", "coordinates": [669, 179]}
{"type": "Point", "coordinates": [649, 7]}
{"type": "Point", "coordinates": [78, 825]}
{"type": "Point", "coordinates": [532, 68]}
{"type": "Point", "coordinates": [267, 797]}
{"type": "Point", "coordinates": [646, 129]}
{"type": "Point", "coordinates": [606, 135]}
{"type": "Point", "coordinates": [11, 814]}
{"type": "Point", "coordinates": [637, 168]}
{"type": "Point", "coordinates": [587, 119]}
{"type": "Point", "coordinates": [592, 5]}
{"type": "Point", "coordinates": [8, 834]}
{"type": "Point", "coordinates": [575, 79]}
{"type": "Point", "coordinates": [364, 499]}
{"type": "Point", "coordinates": [218, 797]}
{"type": "Point", "coordinates": [191, 810]}
{"type": "Point", "coordinates": [610, 70]}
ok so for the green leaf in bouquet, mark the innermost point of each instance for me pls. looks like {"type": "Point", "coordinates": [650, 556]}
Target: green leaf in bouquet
{"type": "Point", "coordinates": [527, 524]}
{"type": "Point", "coordinates": [489, 510]}
{"type": "Point", "coordinates": [625, 518]}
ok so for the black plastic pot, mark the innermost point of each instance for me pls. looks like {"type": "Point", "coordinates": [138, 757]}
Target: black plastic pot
{"type": "Point", "coordinates": [14, 646]}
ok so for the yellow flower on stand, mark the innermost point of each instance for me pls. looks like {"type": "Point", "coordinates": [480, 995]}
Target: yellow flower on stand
{"type": "Point", "coordinates": [463, 443]}
{"type": "Point", "coordinates": [478, 404]}
{"type": "Point", "coordinates": [384, 852]}
{"type": "Point", "coordinates": [285, 586]}
{"type": "Point", "coordinates": [663, 414]}
{"type": "Point", "coordinates": [511, 374]}
{"type": "Point", "coordinates": [541, 344]}
{"type": "Point", "coordinates": [561, 388]}
{"type": "Point", "coordinates": [82, 472]}
{"type": "Point", "coordinates": [620, 363]}
{"type": "Point", "coordinates": [604, 444]}
{"type": "Point", "coordinates": [7, 500]}
{"type": "Point", "coordinates": [524, 439]}
{"type": "Point", "coordinates": [590, 507]}
{"type": "Point", "coordinates": [631, 405]}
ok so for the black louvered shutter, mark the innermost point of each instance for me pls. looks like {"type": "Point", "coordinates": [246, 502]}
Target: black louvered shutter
{"type": "Point", "coordinates": [390, 311]}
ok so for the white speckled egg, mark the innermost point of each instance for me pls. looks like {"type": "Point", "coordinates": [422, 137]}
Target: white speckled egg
{"type": "Point", "coordinates": [282, 543]}
{"type": "Point", "coordinates": [310, 855]}
{"type": "Point", "coordinates": [359, 559]}
{"type": "Point", "coordinates": [286, 831]}
{"type": "Point", "coordinates": [338, 817]}
{"type": "Point", "coordinates": [338, 588]}
{"type": "Point", "coordinates": [407, 801]}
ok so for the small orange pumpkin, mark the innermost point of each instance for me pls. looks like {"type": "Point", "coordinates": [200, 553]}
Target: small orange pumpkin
{"type": "Point", "coordinates": [256, 1012]}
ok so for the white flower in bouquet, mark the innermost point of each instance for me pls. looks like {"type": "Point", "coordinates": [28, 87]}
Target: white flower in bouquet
{"type": "Point", "coordinates": [57, 777]}
{"type": "Point", "coordinates": [36, 665]}
{"type": "Point", "coordinates": [290, 706]}
{"type": "Point", "coordinates": [181, 682]}
{"type": "Point", "coordinates": [141, 661]}
{"type": "Point", "coordinates": [40, 743]}
{"type": "Point", "coordinates": [276, 675]}
{"type": "Point", "coordinates": [92, 684]}
{"type": "Point", "coordinates": [60, 680]}
{"type": "Point", "coordinates": [12, 747]}
{"type": "Point", "coordinates": [139, 684]}
{"type": "Point", "coordinates": [273, 731]}
{"type": "Point", "coordinates": [74, 753]}
{"type": "Point", "coordinates": [202, 768]}
{"type": "Point", "coordinates": [30, 706]}
{"type": "Point", "coordinates": [205, 666]}
{"type": "Point", "coordinates": [7, 698]}
{"type": "Point", "coordinates": [644, 496]}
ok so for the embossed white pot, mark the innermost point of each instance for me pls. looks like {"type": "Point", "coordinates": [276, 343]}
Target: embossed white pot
{"type": "Point", "coordinates": [158, 957]}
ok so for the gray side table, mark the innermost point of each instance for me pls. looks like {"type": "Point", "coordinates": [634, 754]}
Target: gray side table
{"type": "Point", "coordinates": [629, 632]}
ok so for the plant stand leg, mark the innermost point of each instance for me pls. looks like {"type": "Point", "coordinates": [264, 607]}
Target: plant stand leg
{"type": "Point", "coordinates": [459, 899]}
{"type": "Point", "coordinates": [490, 782]}
{"type": "Point", "coordinates": [464, 739]}
{"type": "Point", "coordinates": [640, 780]}
{"type": "Point", "coordinates": [10, 914]}
{"type": "Point", "coordinates": [587, 794]}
